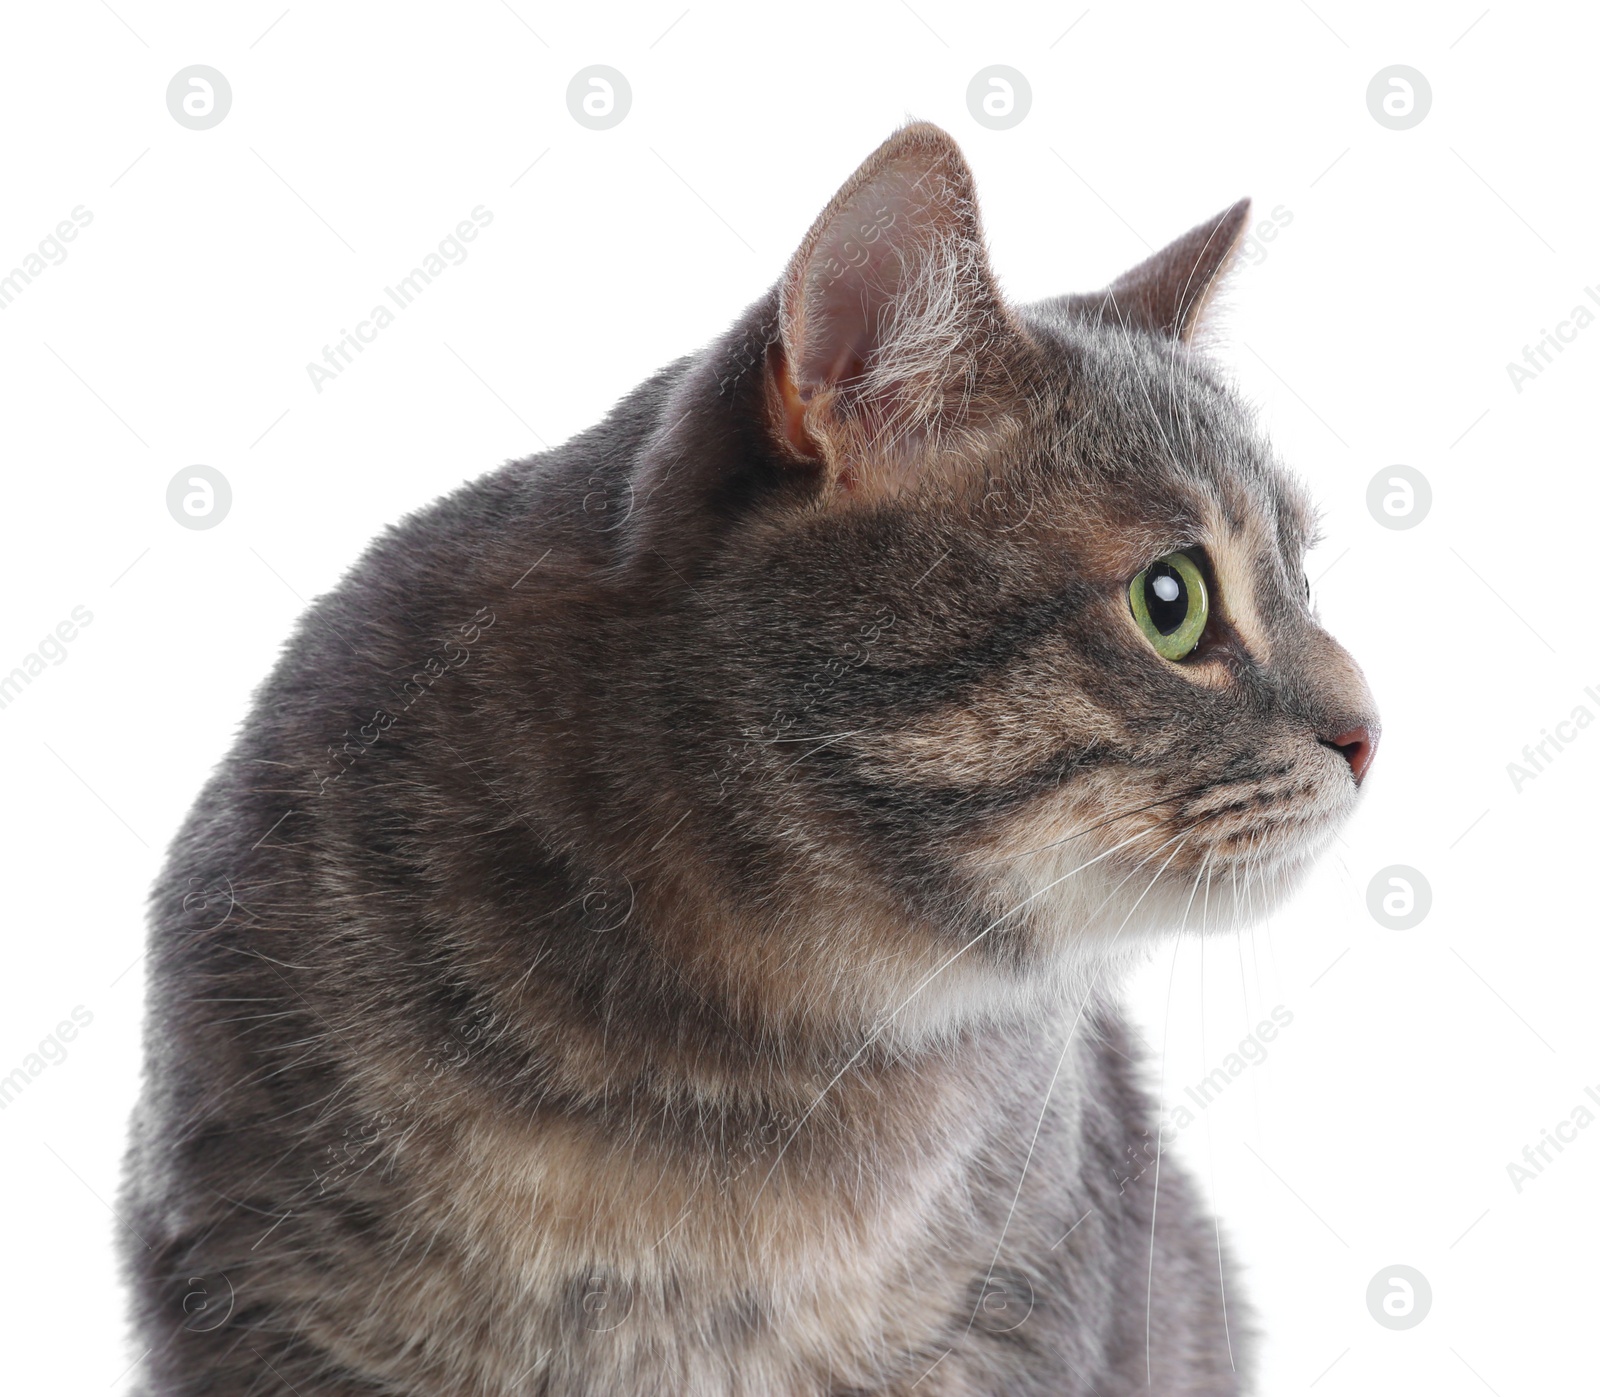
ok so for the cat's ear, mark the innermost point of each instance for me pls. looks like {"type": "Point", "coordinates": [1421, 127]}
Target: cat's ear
{"type": "Point", "coordinates": [889, 317]}
{"type": "Point", "coordinates": [1167, 293]}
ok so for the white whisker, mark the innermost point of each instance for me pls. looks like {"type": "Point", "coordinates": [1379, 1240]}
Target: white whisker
{"type": "Point", "coordinates": [1211, 1152]}
{"type": "Point", "coordinates": [882, 1027]}
{"type": "Point", "coordinates": [1055, 1076]}
{"type": "Point", "coordinates": [1161, 1106]}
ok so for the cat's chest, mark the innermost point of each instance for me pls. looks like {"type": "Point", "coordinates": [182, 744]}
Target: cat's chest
{"type": "Point", "coordinates": [804, 1251]}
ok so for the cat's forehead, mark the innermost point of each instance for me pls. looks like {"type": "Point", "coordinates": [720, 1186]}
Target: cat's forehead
{"type": "Point", "coordinates": [1149, 441]}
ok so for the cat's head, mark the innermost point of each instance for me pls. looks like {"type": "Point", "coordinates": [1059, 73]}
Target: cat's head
{"type": "Point", "coordinates": [1006, 609]}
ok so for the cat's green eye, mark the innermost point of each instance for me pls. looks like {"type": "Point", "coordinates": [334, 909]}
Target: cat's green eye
{"type": "Point", "coordinates": [1170, 604]}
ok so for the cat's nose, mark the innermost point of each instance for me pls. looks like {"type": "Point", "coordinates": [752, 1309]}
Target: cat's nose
{"type": "Point", "coordinates": [1358, 746]}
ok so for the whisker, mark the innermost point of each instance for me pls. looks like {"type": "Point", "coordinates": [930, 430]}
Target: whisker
{"type": "Point", "coordinates": [1099, 824]}
{"type": "Point", "coordinates": [1238, 943]}
{"type": "Point", "coordinates": [879, 1030]}
{"type": "Point", "coordinates": [1211, 1146]}
{"type": "Point", "coordinates": [1161, 1106]}
{"type": "Point", "coordinates": [821, 743]}
{"type": "Point", "coordinates": [1061, 1061]}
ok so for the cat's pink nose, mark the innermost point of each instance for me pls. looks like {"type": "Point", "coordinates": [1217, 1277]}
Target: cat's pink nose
{"type": "Point", "coordinates": [1358, 747]}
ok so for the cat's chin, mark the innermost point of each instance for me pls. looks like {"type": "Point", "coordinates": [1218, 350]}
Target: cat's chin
{"type": "Point", "coordinates": [1098, 903]}
{"type": "Point", "coordinates": [1079, 925]}
{"type": "Point", "coordinates": [1221, 856]}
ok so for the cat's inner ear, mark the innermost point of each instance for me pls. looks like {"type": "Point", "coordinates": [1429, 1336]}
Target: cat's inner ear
{"type": "Point", "coordinates": [1167, 293]}
{"type": "Point", "coordinates": [889, 318]}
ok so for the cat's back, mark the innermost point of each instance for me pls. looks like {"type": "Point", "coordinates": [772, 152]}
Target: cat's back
{"type": "Point", "coordinates": [307, 910]}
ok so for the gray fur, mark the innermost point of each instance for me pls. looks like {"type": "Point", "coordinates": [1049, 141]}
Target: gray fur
{"type": "Point", "coordinates": [619, 954]}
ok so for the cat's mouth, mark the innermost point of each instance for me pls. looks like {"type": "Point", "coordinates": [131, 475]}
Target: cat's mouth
{"type": "Point", "coordinates": [1217, 853]}
{"type": "Point", "coordinates": [1263, 820]}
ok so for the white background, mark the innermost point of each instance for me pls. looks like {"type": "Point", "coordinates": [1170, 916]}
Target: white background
{"type": "Point", "coordinates": [1374, 330]}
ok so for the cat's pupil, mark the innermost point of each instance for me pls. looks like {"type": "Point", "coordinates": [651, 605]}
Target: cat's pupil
{"type": "Point", "coordinates": [1166, 597]}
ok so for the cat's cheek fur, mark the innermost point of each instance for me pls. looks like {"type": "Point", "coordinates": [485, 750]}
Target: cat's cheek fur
{"type": "Point", "coordinates": [1116, 857]}
{"type": "Point", "coordinates": [1084, 883]}
{"type": "Point", "coordinates": [1005, 728]}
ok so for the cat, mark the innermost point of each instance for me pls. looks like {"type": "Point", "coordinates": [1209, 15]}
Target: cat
{"type": "Point", "coordinates": [659, 928]}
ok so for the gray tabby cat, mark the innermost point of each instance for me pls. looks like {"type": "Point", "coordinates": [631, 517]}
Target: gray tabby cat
{"type": "Point", "coordinates": [658, 930]}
